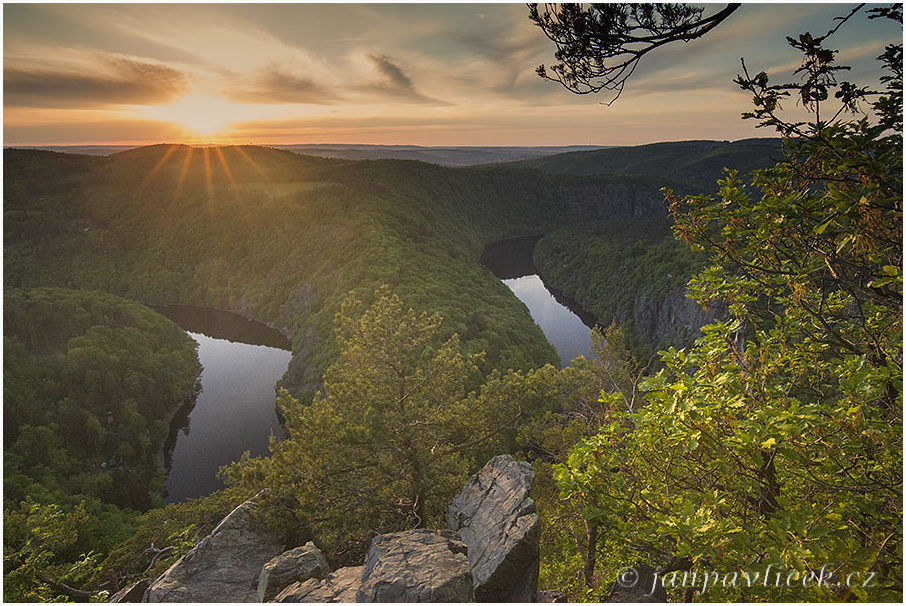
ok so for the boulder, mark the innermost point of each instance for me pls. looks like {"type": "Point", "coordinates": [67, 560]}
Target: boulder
{"type": "Point", "coordinates": [638, 584]}
{"type": "Point", "coordinates": [339, 586]}
{"type": "Point", "coordinates": [224, 566]}
{"type": "Point", "coordinates": [131, 593]}
{"type": "Point", "coordinates": [416, 566]}
{"type": "Point", "coordinates": [495, 517]}
{"type": "Point", "coordinates": [296, 565]}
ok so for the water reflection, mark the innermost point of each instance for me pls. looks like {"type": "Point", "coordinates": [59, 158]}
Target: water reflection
{"type": "Point", "coordinates": [566, 327]}
{"type": "Point", "coordinates": [565, 331]}
{"type": "Point", "coordinates": [221, 324]}
{"type": "Point", "coordinates": [235, 410]}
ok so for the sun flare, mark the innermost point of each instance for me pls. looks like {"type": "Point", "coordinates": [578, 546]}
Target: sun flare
{"type": "Point", "coordinates": [200, 114]}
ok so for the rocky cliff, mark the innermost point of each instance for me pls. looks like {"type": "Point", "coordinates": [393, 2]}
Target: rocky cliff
{"type": "Point", "coordinates": [489, 553]}
{"type": "Point", "coordinates": [669, 319]}
{"type": "Point", "coordinates": [620, 199]}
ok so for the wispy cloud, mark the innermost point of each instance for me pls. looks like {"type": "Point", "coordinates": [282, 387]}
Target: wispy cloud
{"type": "Point", "coordinates": [127, 81]}
{"type": "Point", "coordinates": [393, 76]}
{"type": "Point", "coordinates": [363, 72]}
{"type": "Point", "coordinates": [392, 81]}
{"type": "Point", "coordinates": [277, 85]}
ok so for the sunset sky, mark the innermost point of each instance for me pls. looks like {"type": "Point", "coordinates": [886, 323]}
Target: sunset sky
{"type": "Point", "coordinates": [420, 74]}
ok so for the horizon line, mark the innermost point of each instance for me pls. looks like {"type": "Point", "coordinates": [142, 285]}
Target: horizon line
{"type": "Point", "coordinates": [385, 145]}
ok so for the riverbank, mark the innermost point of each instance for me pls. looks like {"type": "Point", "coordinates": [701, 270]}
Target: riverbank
{"type": "Point", "coordinates": [565, 324]}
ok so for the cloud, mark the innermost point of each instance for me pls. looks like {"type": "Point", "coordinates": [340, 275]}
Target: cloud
{"type": "Point", "coordinates": [393, 76]}
{"type": "Point", "coordinates": [353, 81]}
{"type": "Point", "coordinates": [392, 80]}
{"type": "Point", "coordinates": [106, 28]}
{"type": "Point", "coordinates": [491, 55]}
{"type": "Point", "coordinates": [127, 82]}
{"type": "Point", "coordinates": [276, 85]}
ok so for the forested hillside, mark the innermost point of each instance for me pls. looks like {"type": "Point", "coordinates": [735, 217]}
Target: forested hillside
{"type": "Point", "coordinates": [90, 383]}
{"type": "Point", "coordinates": [632, 271]}
{"type": "Point", "coordinates": [282, 237]}
{"type": "Point", "coordinates": [736, 435]}
{"type": "Point", "coordinates": [272, 234]}
{"type": "Point", "coordinates": [690, 164]}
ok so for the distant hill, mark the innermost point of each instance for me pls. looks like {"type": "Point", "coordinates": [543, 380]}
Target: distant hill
{"type": "Point", "coordinates": [692, 162]}
{"type": "Point", "coordinates": [88, 150]}
{"type": "Point", "coordinates": [444, 156]}
{"type": "Point", "coordinates": [697, 163]}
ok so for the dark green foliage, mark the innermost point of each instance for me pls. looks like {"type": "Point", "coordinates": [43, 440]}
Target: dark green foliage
{"type": "Point", "coordinates": [88, 377]}
{"type": "Point", "coordinates": [90, 382]}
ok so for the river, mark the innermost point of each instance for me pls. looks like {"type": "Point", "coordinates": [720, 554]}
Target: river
{"type": "Point", "coordinates": [243, 360]}
{"type": "Point", "coordinates": [236, 408]}
{"type": "Point", "coordinates": [564, 323]}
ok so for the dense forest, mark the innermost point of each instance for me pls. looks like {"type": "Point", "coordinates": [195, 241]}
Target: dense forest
{"type": "Point", "coordinates": [775, 435]}
{"type": "Point", "coordinates": [91, 382]}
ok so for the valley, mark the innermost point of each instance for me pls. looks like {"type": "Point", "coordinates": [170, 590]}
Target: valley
{"type": "Point", "coordinates": [453, 302]}
{"type": "Point", "coordinates": [287, 239]}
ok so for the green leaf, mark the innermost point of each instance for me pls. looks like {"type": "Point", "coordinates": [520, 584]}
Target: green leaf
{"type": "Point", "coordinates": [819, 229]}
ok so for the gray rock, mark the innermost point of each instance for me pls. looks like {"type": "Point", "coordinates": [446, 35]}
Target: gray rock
{"type": "Point", "coordinates": [496, 519]}
{"type": "Point", "coordinates": [131, 593]}
{"type": "Point", "coordinates": [223, 567]}
{"type": "Point", "coordinates": [339, 586]}
{"type": "Point", "coordinates": [416, 566]}
{"type": "Point", "coordinates": [669, 317]}
{"type": "Point", "coordinates": [295, 565]}
{"type": "Point", "coordinates": [637, 584]}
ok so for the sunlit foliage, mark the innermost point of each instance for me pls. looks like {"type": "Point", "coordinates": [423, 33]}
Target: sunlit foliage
{"type": "Point", "coordinates": [777, 439]}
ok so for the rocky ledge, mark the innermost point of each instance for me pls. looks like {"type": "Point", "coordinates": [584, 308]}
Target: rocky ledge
{"type": "Point", "coordinates": [489, 553]}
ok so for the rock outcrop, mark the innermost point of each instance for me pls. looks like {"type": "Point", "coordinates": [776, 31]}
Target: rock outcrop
{"type": "Point", "coordinates": [222, 567]}
{"type": "Point", "coordinates": [339, 586]}
{"type": "Point", "coordinates": [416, 566]}
{"type": "Point", "coordinates": [495, 517]}
{"type": "Point", "coordinates": [489, 554]}
{"type": "Point", "coordinates": [295, 565]}
{"type": "Point", "coordinates": [131, 593]}
{"type": "Point", "coordinates": [669, 317]}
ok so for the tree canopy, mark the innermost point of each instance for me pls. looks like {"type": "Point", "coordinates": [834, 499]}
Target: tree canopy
{"type": "Point", "coordinates": [89, 384]}
{"type": "Point", "coordinates": [401, 421]}
{"type": "Point", "coordinates": [777, 438]}
{"type": "Point", "coordinates": [599, 46]}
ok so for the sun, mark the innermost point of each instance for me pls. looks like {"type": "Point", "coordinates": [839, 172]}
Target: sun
{"type": "Point", "coordinates": [200, 114]}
